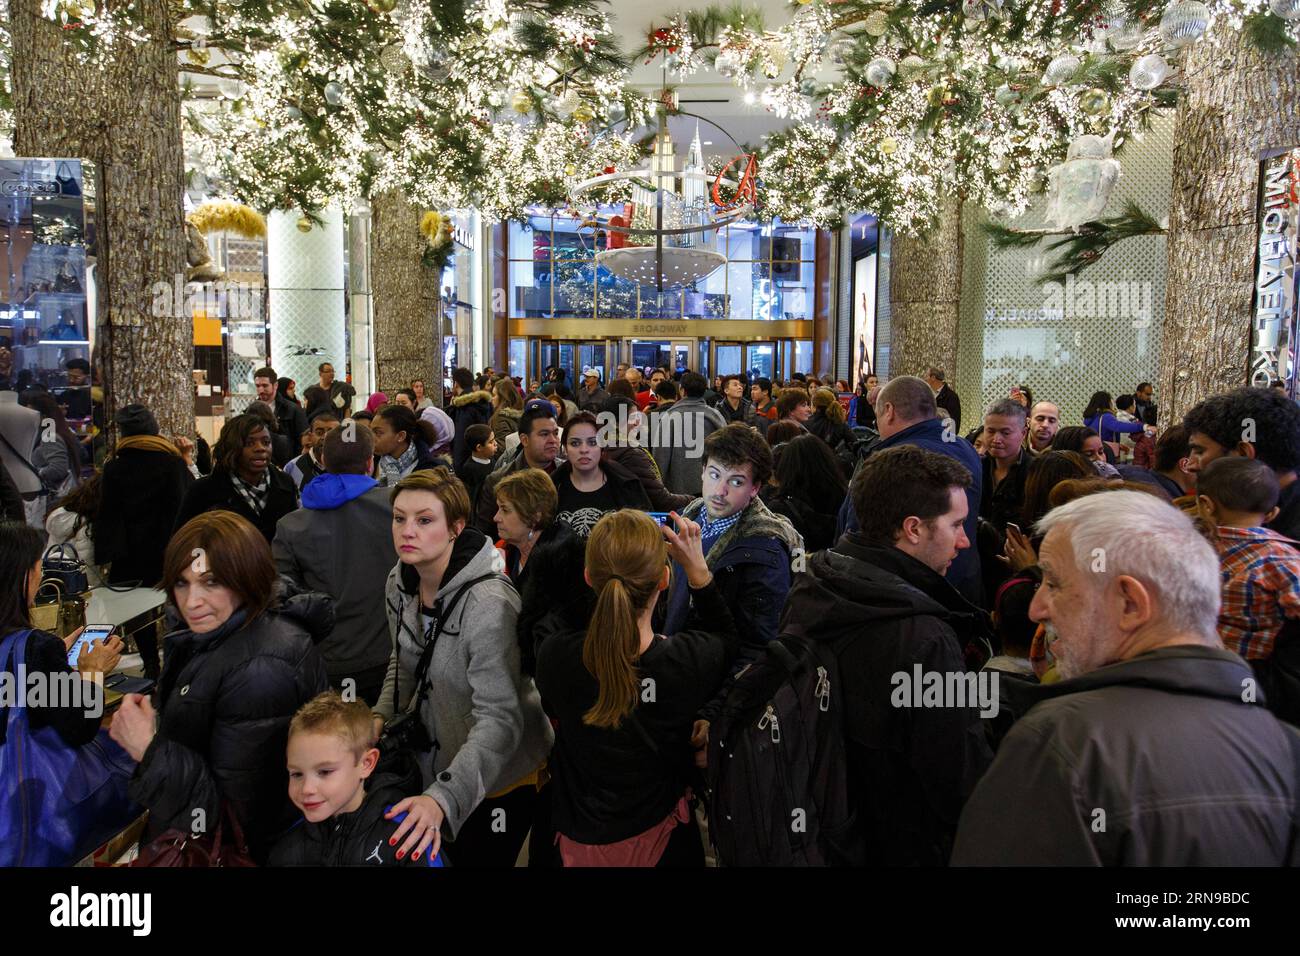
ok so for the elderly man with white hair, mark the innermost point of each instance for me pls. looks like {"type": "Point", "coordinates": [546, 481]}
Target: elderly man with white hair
{"type": "Point", "coordinates": [1156, 749]}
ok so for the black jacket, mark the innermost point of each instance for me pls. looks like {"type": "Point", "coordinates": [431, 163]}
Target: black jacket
{"type": "Point", "coordinates": [612, 784]}
{"type": "Point", "coordinates": [553, 595]}
{"type": "Point", "coordinates": [291, 418]}
{"type": "Point", "coordinates": [1153, 761]}
{"type": "Point", "coordinates": [1005, 502]}
{"type": "Point", "coordinates": [11, 499]}
{"type": "Point", "coordinates": [910, 768]}
{"type": "Point", "coordinates": [947, 400]}
{"type": "Point", "coordinates": [471, 408]}
{"type": "Point", "coordinates": [359, 838]}
{"type": "Point", "coordinates": [815, 526]}
{"type": "Point", "coordinates": [224, 702]}
{"type": "Point", "coordinates": [832, 433]}
{"type": "Point", "coordinates": [142, 495]}
{"type": "Point", "coordinates": [216, 492]}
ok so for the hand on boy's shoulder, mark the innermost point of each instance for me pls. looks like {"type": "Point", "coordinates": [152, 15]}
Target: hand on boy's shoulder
{"type": "Point", "coordinates": [380, 852]}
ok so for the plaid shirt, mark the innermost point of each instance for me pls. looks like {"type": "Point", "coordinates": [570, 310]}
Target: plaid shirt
{"type": "Point", "coordinates": [1261, 586]}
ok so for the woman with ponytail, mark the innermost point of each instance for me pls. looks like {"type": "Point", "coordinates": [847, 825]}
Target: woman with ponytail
{"type": "Point", "coordinates": [625, 699]}
{"type": "Point", "coordinates": [403, 443]}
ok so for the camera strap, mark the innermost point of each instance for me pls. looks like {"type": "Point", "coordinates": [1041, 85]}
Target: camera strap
{"type": "Point", "coordinates": [441, 614]}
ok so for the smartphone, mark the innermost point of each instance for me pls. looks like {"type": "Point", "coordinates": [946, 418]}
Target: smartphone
{"type": "Point", "coordinates": [1015, 527]}
{"type": "Point", "coordinates": [91, 634]}
{"type": "Point", "coordinates": [662, 517]}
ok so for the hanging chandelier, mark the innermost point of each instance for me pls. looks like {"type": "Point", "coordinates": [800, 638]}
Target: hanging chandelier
{"type": "Point", "coordinates": [666, 236]}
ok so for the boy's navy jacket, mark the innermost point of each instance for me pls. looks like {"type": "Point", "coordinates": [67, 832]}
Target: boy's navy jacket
{"type": "Point", "coordinates": [359, 838]}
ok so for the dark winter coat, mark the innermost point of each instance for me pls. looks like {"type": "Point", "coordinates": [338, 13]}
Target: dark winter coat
{"type": "Point", "coordinates": [216, 492]}
{"type": "Point", "coordinates": [752, 565]}
{"type": "Point", "coordinates": [832, 433]}
{"type": "Point", "coordinates": [142, 495]}
{"type": "Point", "coordinates": [815, 525]}
{"type": "Point", "coordinates": [553, 594]}
{"type": "Point", "coordinates": [910, 768]}
{"type": "Point", "coordinates": [11, 499]}
{"type": "Point", "coordinates": [470, 408]}
{"type": "Point", "coordinates": [1153, 761]}
{"type": "Point", "coordinates": [340, 543]}
{"type": "Point", "coordinates": [224, 702]}
{"type": "Point", "coordinates": [291, 419]}
{"type": "Point", "coordinates": [359, 838]}
{"type": "Point", "coordinates": [948, 401]}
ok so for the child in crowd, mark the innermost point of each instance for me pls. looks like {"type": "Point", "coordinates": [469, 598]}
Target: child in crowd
{"type": "Point", "coordinates": [332, 758]}
{"type": "Point", "coordinates": [483, 444]}
{"type": "Point", "coordinates": [1261, 568]}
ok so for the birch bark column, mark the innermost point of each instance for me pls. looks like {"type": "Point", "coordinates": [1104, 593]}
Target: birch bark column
{"type": "Point", "coordinates": [925, 297]}
{"type": "Point", "coordinates": [126, 118]}
{"type": "Point", "coordinates": [408, 337]}
{"type": "Point", "coordinates": [1235, 102]}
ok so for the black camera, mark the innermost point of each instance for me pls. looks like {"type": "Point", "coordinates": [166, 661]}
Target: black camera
{"type": "Point", "coordinates": [404, 732]}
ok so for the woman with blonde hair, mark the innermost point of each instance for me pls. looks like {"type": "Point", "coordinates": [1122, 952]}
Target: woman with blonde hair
{"type": "Point", "coordinates": [626, 698]}
{"type": "Point", "coordinates": [828, 421]}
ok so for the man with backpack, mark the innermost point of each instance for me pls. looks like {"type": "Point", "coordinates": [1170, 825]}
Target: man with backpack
{"type": "Point", "coordinates": [876, 726]}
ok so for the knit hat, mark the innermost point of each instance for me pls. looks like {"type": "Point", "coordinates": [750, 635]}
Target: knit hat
{"type": "Point", "coordinates": [135, 420]}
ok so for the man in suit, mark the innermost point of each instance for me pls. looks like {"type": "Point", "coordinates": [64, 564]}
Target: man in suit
{"type": "Point", "coordinates": [944, 397]}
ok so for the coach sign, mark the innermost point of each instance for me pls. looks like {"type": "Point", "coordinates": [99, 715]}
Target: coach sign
{"type": "Point", "coordinates": [1274, 325]}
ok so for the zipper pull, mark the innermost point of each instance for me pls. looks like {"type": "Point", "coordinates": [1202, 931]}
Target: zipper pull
{"type": "Point", "coordinates": [769, 719]}
{"type": "Point", "coordinates": [823, 690]}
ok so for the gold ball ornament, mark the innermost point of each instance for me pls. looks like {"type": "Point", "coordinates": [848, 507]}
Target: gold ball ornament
{"type": "Point", "coordinates": [303, 224]}
{"type": "Point", "coordinates": [1094, 102]}
{"type": "Point", "coordinates": [199, 56]}
{"type": "Point", "coordinates": [583, 113]}
{"type": "Point", "coordinates": [889, 146]}
{"type": "Point", "coordinates": [570, 170]}
{"type": "Point", "coordinates": [521, 102]}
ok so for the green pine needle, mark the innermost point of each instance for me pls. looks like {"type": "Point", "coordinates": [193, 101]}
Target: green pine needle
{"type": "Point", "coordinates": [1267, 33]}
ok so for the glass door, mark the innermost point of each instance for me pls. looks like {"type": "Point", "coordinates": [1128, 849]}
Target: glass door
{"type": "Point", "coordinates": [728, 358]}
{"type": "Point", "coordinates": [760, 360]}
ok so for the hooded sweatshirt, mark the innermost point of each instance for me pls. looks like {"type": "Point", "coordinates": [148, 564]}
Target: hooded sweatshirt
{"type": "Point", "coordinates": [482, 713]}
{"type": "Point", "coordinates": [1152, 761]}
{"type": "Point", "coordinates": [340, 542]}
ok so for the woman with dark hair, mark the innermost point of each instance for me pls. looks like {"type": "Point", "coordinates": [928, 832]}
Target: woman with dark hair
{"type": "Point", "coordinates": [808, 487]}
{"type": "Point", "coordinates": [1082, 439]}
{"type": "Point", "coordinates": [70, 524]}
{"type": "Point", "coordinates": [422, 401]}
{"type": "Point", "coordinates": [243, 479]}
{"type": "Point", "coordinates": [469, 406]}
{"type": "Point", "coordinates": [234, 675]}
{"type": "Point", "coordinates": [508, 406]}
{"type": "Point", "coordinates": [589, 487]}
{"type": "Point", "coordinates": [1100, 417]}
{"type": "Point", "coordinates": [57, 456]}
{"type": "Point", "coordinates": [288, 388]}
{"type": "Point", "coordinates": [1023, 395]}
{"type": "Point", "coordinates": [403, 444]}
{"type": "Point", "coordinates": [284, 448]}
{"type": "Point", "coordinates": [28, 654]}
{"type": "Point", "coordinates": [783, 431]}
{"type": "Point", "coordinates": [622, 765]}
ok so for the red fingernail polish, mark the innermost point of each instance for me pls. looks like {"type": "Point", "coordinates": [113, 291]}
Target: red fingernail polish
{"type": "Point", "coordinates": [393, 841]}
{"type": "Point", "coordinates": [401, 853]}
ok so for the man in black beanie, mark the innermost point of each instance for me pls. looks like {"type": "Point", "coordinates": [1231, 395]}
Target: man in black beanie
{"type": "Point", "coordinates": [135, 420]}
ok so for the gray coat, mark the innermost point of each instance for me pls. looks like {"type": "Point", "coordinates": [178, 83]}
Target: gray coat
{"type": "Point", "coordinates": [343, 548]}
{"type": "Point", "coordinates": [1154, 761]}
{"type": "Point", "coordinates": [484, 714]}
{"type": "Point", "coordinates": [677, 438]}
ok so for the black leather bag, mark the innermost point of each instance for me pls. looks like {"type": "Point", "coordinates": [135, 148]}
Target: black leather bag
{"type": "Point", "coordinates": [69, 572]}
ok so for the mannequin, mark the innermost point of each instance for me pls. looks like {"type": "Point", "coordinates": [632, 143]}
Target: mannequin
{"type": "Point", "coordinates": [21, 428]}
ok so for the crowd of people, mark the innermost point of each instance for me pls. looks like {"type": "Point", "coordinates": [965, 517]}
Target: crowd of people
{"type": "Point", "coordinates": [417, 633]}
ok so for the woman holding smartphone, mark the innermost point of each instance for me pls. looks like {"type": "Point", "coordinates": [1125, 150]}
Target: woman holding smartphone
{"type": "Point", "coordinates": [39, 826]}
{"type": "Point", "coordinates": [626, 698]}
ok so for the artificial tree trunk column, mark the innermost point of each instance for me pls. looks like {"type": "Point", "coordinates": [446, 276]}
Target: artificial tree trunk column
{"type": "Point", "coordinates": [408, 337]}
{"type": "Point", "coordinates": [1236, 102]}
{"type": "Point", "coordinates": [126, 119]}
{"type": "Point", "coordinates": [925, 297]}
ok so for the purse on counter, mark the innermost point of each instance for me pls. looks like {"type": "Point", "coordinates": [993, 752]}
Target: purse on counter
{"type": "Point", "coordinates": [176, 848]}
{"type": "Point", "coordinates": [69, 572]}
{"type": "Point", "coordinates": [67, 182]}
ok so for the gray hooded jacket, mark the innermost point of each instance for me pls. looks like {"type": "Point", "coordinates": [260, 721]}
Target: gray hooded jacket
{"type": "Point", "coordinates": [483, 713]}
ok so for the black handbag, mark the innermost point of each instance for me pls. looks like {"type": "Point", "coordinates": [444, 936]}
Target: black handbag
{"type": "Point", "coordinates": [67, 182]}
{"type": "Point", "coordinates": [69, 572]}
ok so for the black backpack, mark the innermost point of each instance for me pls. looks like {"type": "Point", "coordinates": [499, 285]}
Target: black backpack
{"type": "Point", "coordinates": [778, 767]}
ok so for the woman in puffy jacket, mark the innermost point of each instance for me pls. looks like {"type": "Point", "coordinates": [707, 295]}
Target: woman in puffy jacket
{"type": "Point", "coordinates": [234, 675]}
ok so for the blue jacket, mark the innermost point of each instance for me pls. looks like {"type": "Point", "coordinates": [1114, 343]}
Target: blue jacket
{"type": "Point", "coordinates": [964, 574]}
{"type": "Point", "coordinates": [752, 566]}
{"type": "Point", "coordinates": [332, 491]}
